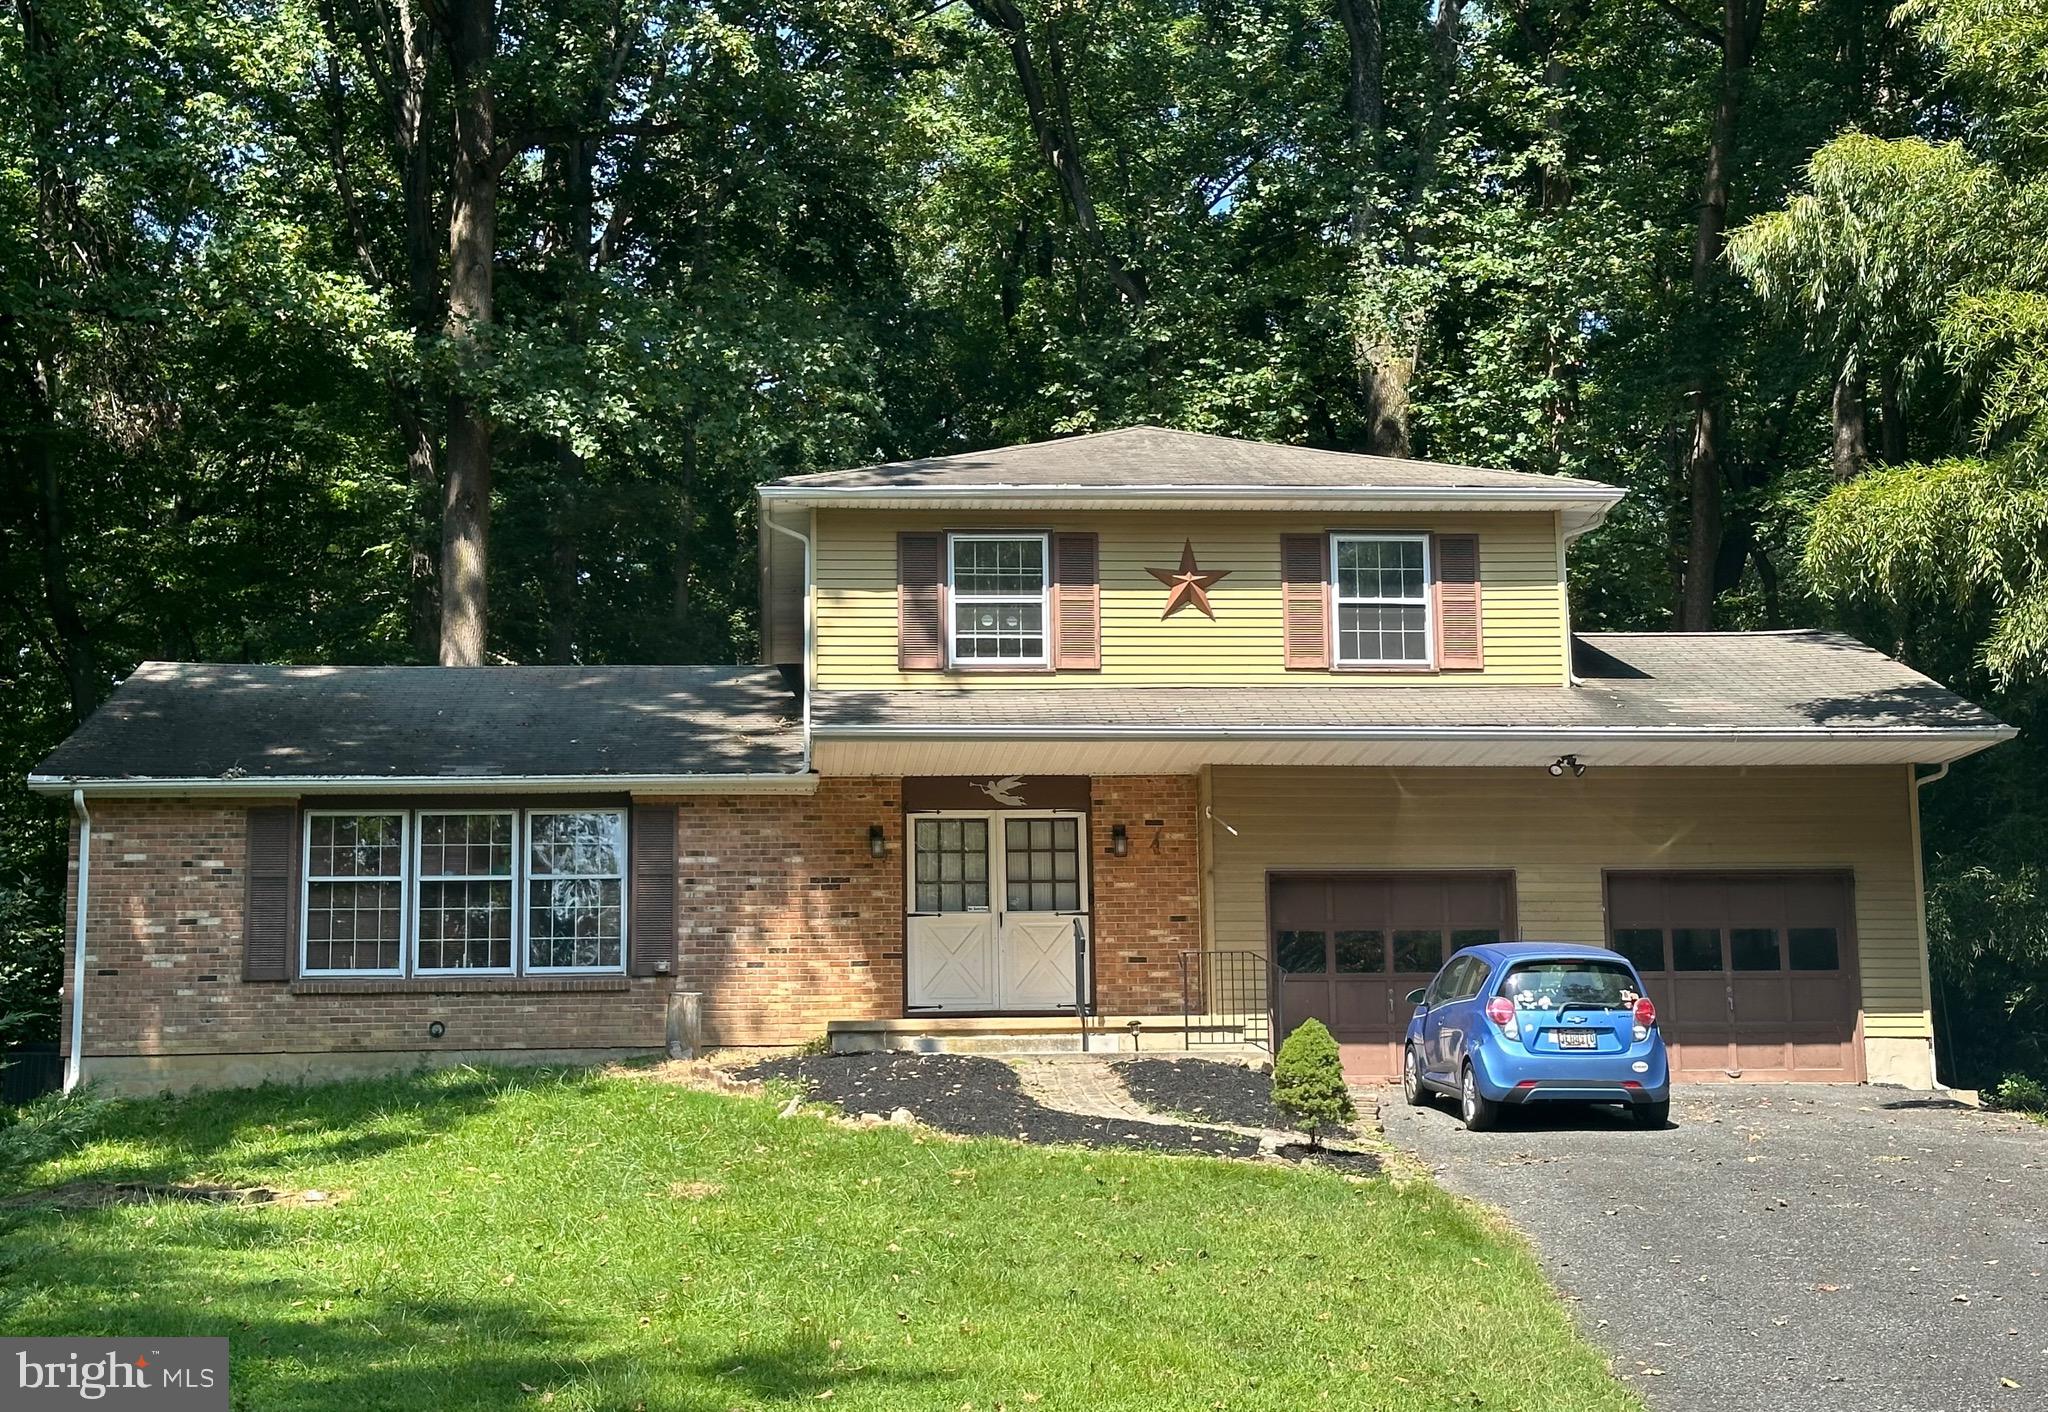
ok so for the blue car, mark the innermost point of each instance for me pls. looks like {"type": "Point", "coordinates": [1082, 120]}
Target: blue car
{"type": "Point", "coordinates": [1536, 1022]}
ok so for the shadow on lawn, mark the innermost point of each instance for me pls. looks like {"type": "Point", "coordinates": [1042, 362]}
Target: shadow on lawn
{"type": "Point", "coordinates": [258, 1133]}
{"type": "Point", "coordinates": [803, 1370]}
{"type": "Point", "coordinates": [294, 1343]}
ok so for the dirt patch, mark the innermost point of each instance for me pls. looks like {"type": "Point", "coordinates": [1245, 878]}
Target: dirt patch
{"type": "Point", "coordinates": [91, 1196]}
{"type": "Point", "coordinates": [695, 1191]}
{"type": "Point", "coordinates": [1357, 1164]}
{"type": "Point", "coordinates": [973, 1096]}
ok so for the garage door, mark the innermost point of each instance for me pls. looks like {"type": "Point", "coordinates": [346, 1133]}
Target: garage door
{"type": "Point", "coordinates": [1754, 974]}
{"type": "Point", "coordinates": [1350, 946]}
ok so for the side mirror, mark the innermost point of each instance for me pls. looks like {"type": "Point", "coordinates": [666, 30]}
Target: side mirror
{"type": "Point", "coordinates": [1415, 997]}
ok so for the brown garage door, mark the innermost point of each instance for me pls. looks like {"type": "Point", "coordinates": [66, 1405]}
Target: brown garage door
{"type": "Point", "coordinates": [1350, 946]}
{"type": "Point", "coordinates": [1754, 974]}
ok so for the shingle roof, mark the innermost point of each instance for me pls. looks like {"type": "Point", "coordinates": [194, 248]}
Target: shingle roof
{"type": "Point", "coordinates": [185, 721]}
{"type": "Point", "coordinates": [1766, 682]}
{"type": "Point", "coordinates": [1155, 457]}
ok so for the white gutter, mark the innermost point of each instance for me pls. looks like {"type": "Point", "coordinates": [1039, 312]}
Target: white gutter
{"type": "Point", "coordinates": [291, 786]}
{"type": "Point", "coordinates": [74, 1062]}
{"type": "Point", "coordinates": [809, 611]}
{"type": "Point", "coordinates": [951, 731]}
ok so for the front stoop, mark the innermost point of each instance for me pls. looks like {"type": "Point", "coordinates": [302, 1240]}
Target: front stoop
{"type": "Point", "coordinates": [1038, 1034]}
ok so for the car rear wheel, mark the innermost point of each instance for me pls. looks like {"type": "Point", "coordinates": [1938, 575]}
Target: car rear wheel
{"type": "Point", "coordinates": [1411, 1079]}
{"type": "Point", "coordinates": [1480, 1112]}
{"type": "Point", "coordinates": [1653, 1115]}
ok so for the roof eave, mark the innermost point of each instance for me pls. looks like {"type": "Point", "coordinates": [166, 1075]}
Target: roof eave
{"type": "Point", "coordinates": [293, 786]}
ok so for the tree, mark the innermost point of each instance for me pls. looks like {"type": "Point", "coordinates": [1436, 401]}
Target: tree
{"type": "Point", "coordinates": [1308, 1082]}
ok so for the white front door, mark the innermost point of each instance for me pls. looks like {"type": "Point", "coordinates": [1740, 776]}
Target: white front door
{"type": "Point", "coordinates": [993, 900]}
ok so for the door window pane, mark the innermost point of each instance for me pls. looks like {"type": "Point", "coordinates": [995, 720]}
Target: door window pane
{"type": "Point", "coordinates": [1696, 949]}
{"type": "Point", "coordinates": [1361, 953]}
{"type": "Point", "coordinates": [1814, 949]}
{"type": "Point", "coordinates": [951, 866]}
{"type": "Point", "coordinates": [1299, 953]}
{"type": "Point", "coordinates": [1642, 945]}
{"type": "Point", "coordinates": [1042, 865]}
{"type": "Point", "coordinates": [1753, 948]}
{"type": "Point", "coordinates": [1418, 950]}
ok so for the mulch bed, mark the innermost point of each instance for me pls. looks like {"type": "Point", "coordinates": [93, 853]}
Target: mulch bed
{"type": "Point", "coordinates": [1207, 1091]}
{"type": "Point", "coordinates": [974, 1096]}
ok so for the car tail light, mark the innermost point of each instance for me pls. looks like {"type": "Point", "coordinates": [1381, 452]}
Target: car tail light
{"type": "Point", "coordinates": [1646, 1013]}
{"type": "Point", "coordinates": [1501, 1011]}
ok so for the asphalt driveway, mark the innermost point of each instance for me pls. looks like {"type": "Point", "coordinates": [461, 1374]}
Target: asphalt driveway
{"type": "Point", "coordinates": [1786, 1246]}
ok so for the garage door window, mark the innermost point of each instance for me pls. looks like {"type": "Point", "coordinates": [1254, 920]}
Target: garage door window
{"type": "Point", "coordinates": [1814, 949]}
{"type": "Point", "coordinates": [1754, 949]}
{"type": "Point", "coordinates": [1418, 950]}
{"type": "Point", "coordinates": [1361, 953]}
{"type": "Point", "coordinates": [1300, 953]}
{"type": "Point", "coordinates": [1642, 945]}
{"type": "Point", "coordinates": [1696, 949]}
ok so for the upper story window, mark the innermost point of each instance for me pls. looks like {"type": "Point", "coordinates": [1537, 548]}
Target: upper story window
{"type": "Point", "coordinates": [1382, 599]}
{"type": "Point", "coordinates": [437, 892]}
{"type": "Point", "coordinates": [999, 599]}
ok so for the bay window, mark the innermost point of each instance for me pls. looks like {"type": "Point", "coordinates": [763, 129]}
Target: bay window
{"type": "Point", "coordinates": [463, 892]}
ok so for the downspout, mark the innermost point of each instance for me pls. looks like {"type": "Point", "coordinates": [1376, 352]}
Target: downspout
{"type": "Point", "coordinates": [1920, 782]}
{"type": "Point", "coordinates": [809, 632]}
{"type": "Point", "coordinates": [74, 1062]}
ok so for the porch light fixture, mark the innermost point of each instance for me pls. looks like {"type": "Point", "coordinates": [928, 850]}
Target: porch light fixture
{"type": "Point", "coordinates": [1567, 762]}
{"type": "Point", "coordinates": [878, 842]}
{"type": "Point", "coordinates": [1119, 841]}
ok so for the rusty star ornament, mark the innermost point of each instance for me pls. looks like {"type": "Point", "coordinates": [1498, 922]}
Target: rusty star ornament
{"type": "Point", "coordinates": [1188, 586]}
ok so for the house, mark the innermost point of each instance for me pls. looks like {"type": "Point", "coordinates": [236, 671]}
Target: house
{"type": "Point", "coordinates": [1145, 723]}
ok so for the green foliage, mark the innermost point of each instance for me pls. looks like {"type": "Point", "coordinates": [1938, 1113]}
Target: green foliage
{"type": "Point", "coordinates": [1308, 1081]}
{"type": "Point", "coordinates": [47, 1129]}
{"type": "Point", "coordinates": [2021, 1093]}
{"type": "Point", "coordinates": [31, 959]}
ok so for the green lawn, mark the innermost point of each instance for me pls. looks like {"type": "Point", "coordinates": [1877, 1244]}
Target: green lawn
{"type": "Point", "coordinates": [512, 1239]}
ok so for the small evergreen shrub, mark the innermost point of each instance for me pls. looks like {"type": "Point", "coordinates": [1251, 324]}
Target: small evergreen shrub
{"type": "Point", "coordinates": [1308, 1082]}
{"type": "Point", "coordinates": [51, 1126]}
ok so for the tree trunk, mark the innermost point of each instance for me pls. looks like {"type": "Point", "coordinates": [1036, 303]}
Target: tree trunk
{"type": "Point", "coordinates": [1049, 111]}
{"type": "Point", "coordinates": [1704, 472]}
{"type": "Point", "coordinates": [686, 516]}
{"type": "Point", "coordinates": [1891, 424]}
{"type": "Point", "coordinates": [1848, 452]}
{"type": "Point", "coordinates": [1364, 106]}
{"type": "Point", "coordinates": [472, 246]}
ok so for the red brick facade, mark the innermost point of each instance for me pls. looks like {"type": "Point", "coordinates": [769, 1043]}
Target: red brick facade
{"type": "Point", "coordinates": [785, 921]}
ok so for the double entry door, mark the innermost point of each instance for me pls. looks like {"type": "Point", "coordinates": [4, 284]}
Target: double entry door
{"type": "Point", "coordinates": [993, 899]}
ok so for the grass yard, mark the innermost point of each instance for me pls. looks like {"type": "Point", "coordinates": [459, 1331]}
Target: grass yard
{"type": "Point", "coordinates": [520, 1239]}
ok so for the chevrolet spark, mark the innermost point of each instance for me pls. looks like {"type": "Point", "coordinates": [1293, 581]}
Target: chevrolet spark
{"type": "Point", "coordinates": [1515, 1023]}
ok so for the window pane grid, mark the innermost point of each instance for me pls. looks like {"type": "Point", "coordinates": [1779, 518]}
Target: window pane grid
{"type": "Point", "coordinates": [998, 590]}
{"type": "Point", "coordinates": [1382, 598]}
{"type": "Point", "coordinates": [464, 914]}
{"type": "Point", "coordinates": [575, 917]}
{"type": "Point", "coordinates": [1042, 865]}
{"type": "Point", "coordinates": [355, 892]}
{"type": "Point", "coordinates": [951, 865]}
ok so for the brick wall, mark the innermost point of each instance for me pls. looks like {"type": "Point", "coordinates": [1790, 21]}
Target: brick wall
{"type": "Point", "coordinates": [1147, 904]}
{"type": "Point", "coordinates": [785, 922]}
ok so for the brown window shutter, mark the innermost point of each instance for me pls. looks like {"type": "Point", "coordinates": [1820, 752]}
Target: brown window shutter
{"type": "Point", "coordinates": [1076, 603]}
{"type": "Point", "coordinates": [1458, 646]}
{"type": "Point", "coordinates": [1305, 601]}
{"type": "Point", "coordinates": [920, 602]}
{"type": "Point", "coordinates": [270, 918]}
{"type": "Point", "coordinates": [651, 943]}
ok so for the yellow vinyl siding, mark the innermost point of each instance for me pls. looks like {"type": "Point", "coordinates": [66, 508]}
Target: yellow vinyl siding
{"type": "Point", "coordinates": [1522, 599]}
{"type": "Point", "coordinates": [1558, 836]}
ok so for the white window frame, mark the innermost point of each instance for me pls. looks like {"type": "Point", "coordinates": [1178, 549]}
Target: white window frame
{"type": "Point", "coordinates": [420, 878]}
{"type": "Point", "coordinates": [954, 598]}
{"type": "Point", "coordinates": [1338, 601]}
{"type": "Point", "coordinates": [410, 878]}
{"type": "Point", "coordinates": [524, 951]}
{"type": "Point", "coordinates": [404, 881]}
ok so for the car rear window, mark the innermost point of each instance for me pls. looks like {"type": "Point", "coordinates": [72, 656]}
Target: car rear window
{"type": "Point", "coordinates": [1552, 985]}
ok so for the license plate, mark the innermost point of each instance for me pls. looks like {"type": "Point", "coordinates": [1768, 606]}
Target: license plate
{"type": "Point", "coordinates": [1577, 1039]}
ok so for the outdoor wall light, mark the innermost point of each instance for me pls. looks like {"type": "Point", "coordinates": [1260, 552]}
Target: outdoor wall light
{"type": "Point", "coordinates": [878, 842]}
{"type": "Point", "coordinates": [436, 1030]}
{"type": "Point", "coordinates": [1567, 762]}
{"type": "Point", "coordinates": [1119, 841]}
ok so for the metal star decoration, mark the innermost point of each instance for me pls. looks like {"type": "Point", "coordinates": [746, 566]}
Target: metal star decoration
{"type": "Point", "coordinates": [1188, 586]}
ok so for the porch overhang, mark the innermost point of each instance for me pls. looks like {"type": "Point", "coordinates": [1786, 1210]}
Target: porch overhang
{"type": "Point", "coordinates": [886, 751]}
